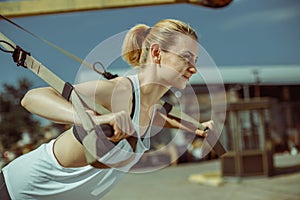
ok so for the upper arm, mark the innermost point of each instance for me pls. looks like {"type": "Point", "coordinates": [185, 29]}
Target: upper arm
{"type": "Point", "coordinates": [98, 91]}
{"type": "Point", "coordinates": [112, 94]}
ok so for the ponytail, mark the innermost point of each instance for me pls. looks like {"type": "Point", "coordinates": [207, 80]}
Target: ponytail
{"type": "Point", "coordinates": [132, 45]}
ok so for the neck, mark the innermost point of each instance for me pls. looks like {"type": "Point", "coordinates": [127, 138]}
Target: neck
{"type": "Point", "coordinates": [151, 88]}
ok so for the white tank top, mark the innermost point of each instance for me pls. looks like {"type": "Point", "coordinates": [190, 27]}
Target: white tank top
{"type": "Point", "coordinates": [38, 176]}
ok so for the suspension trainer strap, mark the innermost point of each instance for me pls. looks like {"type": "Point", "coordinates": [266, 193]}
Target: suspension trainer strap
{"type": "Point", "coordinates": [193, 124]}
{"type": "Point", "coordinates": [78, 100]}
{"type": "Point", "coordinates": [50, 78]}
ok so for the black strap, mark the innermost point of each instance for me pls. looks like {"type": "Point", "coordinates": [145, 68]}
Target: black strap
{"type": "Point", "coordinates": [68, 88]}
{"type": "Point", "coordinates": [4, 195]}
{"type": "Point", "coordinates": [133, 98]}
{"type": "Point", "coordinates": [76, 134]}
{"type": "Point", "coordinates": [168, 107]}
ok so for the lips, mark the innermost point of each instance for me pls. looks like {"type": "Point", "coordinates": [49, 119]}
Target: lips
{"type": "Point", "coordinates": [186, 77]}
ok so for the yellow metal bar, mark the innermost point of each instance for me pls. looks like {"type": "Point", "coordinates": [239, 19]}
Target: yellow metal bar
{"type": "Point", "coordinates": [39, 7]}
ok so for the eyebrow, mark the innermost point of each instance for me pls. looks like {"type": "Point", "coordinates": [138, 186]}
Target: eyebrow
{"type": "Point", "coordinates": [189, 52]}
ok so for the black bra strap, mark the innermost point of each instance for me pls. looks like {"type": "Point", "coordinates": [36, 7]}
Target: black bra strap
{"type": "Point", "coordinates": [76, 134]}
{"type": "Point", "coordinates": [133, 98]}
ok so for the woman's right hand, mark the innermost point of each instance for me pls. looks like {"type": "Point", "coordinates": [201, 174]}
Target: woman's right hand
{"type": "Point", "coordinates": [120, 122]}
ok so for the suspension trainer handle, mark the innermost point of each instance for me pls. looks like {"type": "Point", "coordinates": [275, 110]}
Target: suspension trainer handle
{"type": "Point", "coordinates": [107, 130]}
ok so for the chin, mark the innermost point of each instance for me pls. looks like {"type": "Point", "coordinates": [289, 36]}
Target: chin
{"type": "Point", "coordinates": [180, 85]}
{"type": "Point", "coordinates": [183, 87]}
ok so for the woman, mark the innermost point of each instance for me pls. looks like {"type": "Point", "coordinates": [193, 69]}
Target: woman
{"type": "Point", "coordinates": [166, 55]}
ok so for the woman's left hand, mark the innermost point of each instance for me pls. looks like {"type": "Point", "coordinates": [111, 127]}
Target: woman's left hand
{"type": "Point", "coordinates": [210, 125]}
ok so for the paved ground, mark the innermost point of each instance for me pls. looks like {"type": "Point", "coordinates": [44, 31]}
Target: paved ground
{"type": "Point", "coordinates": [172, 184]}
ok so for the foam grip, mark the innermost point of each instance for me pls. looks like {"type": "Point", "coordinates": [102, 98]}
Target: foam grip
{"type": "Point", "coordinates": [107, 130]}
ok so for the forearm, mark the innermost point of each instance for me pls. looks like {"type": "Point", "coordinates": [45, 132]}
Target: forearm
{"type": "Point", "coordinates": [167, 122]}
{"type": "Point", "coordinates": [47, 103]}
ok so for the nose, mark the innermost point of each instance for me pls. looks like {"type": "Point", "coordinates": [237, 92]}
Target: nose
{"type": "Point", "coordinates": [192, 69]}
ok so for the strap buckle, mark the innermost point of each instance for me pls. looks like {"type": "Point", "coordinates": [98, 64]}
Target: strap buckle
{"type": "Point", "coordinates": [19, 56]}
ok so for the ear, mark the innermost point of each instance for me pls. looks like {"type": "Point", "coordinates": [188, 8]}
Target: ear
{"type": "Point", "coordinates": [155, 51]}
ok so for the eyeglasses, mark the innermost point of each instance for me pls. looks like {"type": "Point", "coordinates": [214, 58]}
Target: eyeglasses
{"type": "Point", "coordinates": [187, 57]}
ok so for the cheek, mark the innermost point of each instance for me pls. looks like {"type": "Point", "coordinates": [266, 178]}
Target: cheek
{"type": "Point", "coordinates": [170, 72]}
{"type": "Point", "coordinates": [172, 77]}
{"type": "Point", "coordinates": [174, 66]}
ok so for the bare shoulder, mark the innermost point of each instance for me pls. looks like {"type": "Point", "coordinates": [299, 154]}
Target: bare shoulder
{"type": "Point", "coordinates": [112, 94]}
{"type": "Point", "coordinates": [119, 85]}
{"type": "Point", "coordinates": [121, 96]}
{"type": "Point", "coordinates": [122, 84]}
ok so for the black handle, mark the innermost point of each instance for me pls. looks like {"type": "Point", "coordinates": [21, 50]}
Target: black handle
{"type": "Point", "coordinates": [107, 130]}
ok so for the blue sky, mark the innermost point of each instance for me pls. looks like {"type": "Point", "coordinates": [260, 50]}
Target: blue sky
{"type": "Point", "coordinates": [247, 32]}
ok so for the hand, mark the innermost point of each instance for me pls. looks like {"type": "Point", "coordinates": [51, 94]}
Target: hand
{"type": "Point", "coordinates": [120, 122]}
{"type": "Point", "coordinates": [210, 125]}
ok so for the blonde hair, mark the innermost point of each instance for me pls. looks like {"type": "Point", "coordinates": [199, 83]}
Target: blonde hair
{"type": "Point", "coordinates": [139, 38]}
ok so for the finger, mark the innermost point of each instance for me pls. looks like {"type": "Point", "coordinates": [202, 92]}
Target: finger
{"type": "Point", "coordinates": [201, 133]}
{"type": "Point", "coordinates": [115, 127]}
{"type": "Point", "coordinates": [90, 112]}
{"type": "Point", "coordinates": [120, 130]}
{"type": "Point", "coordinates": [121, 124]}
{"type": "Point", "coordinates": [209, 124]}
{"type": "Point", "coordinates": [125, 124]}
{"type": "Point", "coordinates": [130, 127]}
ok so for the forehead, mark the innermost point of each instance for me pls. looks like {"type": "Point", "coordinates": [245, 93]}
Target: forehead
{"type": "Point", "coordinates": [184, 43]}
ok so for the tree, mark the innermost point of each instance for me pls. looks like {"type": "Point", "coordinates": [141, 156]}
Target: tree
{"type": "Point", "coordinates": [14, 119]}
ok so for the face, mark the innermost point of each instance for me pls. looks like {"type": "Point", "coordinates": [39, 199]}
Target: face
{"type": "Point", "coordinates": [178, 62]}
